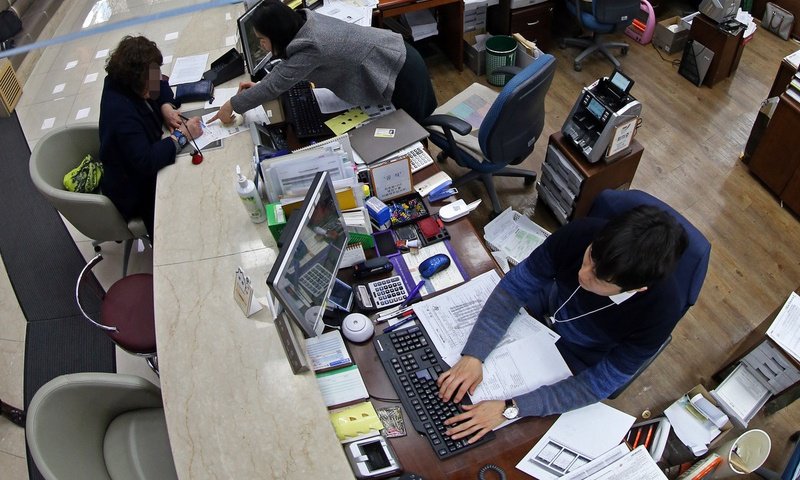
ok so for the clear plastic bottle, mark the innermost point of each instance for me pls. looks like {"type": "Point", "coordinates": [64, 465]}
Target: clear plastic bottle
{"type": "Point", "coordinates": [250, 197]}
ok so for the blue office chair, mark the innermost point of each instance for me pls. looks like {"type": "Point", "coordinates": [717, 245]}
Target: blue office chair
{"type": "Point", "coordinates": [505, 135]}
{"type": "Point", "coordinates": [792, 468]}
{"type": "Point", "coordinates": [607, 16]}
{"type": "Point", "coordinates": [691, 268]}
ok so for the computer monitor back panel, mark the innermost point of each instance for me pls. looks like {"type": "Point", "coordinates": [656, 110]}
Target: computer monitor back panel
{"type": "Point", "coordinates": [719, 10]}
{"type": "Point", "coordinates": [255, 57]}
{"type": "Point", "coordinates": [305, 270]}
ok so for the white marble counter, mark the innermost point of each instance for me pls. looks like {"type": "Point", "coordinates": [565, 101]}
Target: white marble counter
{"type": "Point", "coordinates": [234, 409]}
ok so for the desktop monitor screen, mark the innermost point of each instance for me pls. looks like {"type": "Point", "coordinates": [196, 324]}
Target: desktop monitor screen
{"type": "Point", "coordinates": [255, 57]}
{"type": "Point", "coordinates": [305, 270]}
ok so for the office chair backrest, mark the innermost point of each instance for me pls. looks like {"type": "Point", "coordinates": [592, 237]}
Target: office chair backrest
{"type": "Point", "coordinates": [516, 118]}
{"type": "Point", "coordinates": [615, 11]}
{"type": "Point", "coordinates": [693, 264]}
{"type": "Point", "coordinates": [58, 152]}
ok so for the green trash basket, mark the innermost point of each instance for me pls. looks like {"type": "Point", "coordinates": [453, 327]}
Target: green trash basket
{"type": "Point", "coordinates": [501, 51]}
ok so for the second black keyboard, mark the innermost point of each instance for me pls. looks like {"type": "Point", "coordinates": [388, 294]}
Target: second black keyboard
{"type": "Point", "coordinates": [413, 366]}
{"type": "Point", "coordinates": [302, 110]}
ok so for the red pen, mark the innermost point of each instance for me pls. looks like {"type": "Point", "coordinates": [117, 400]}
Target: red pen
{"type": "Point", "coordinates": [636, 440]}
{"type": "Point", "coordinates": [647, 438]}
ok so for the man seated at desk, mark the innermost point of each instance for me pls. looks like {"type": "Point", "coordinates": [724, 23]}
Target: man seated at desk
{"type": "Point", "coordinates": [606, 289]}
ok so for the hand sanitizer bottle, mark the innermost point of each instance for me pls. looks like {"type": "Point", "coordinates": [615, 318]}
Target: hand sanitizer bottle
{"type": "Point", "coordinates": [250, 197]}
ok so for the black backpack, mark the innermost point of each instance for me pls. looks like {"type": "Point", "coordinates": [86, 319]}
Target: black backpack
{"type": "Point", "coordinates": [10, 24]}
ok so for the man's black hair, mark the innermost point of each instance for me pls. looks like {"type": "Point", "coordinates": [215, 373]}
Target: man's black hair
{"type": "Point", "coordinates": [638, 248]}
{"type": "Point", "coordinates": [279, 23]}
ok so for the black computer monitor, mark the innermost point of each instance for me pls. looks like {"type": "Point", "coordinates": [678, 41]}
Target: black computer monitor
{"type": "Point", "coordinates": [255, 57]}
{"type": "Point", "coordinates": [314, 241]}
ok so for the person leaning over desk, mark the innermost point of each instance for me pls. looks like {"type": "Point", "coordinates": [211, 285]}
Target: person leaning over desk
{"type": "Point", "coordinates": [135, 107]}
{"type": "Point", "coordinates": [608, 286]}
{"type": "Point", "coordinates": [361, 65]}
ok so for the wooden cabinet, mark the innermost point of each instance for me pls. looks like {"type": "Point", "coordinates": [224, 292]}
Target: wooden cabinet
{"type": "Point", "coordinates": [727, 48]}
{"type": "Point", "coordinates": [775, 161]}
{"type": "Point", "coordinates": [792, 5]}
{"type": "Point", "coordinates": [534, 22]}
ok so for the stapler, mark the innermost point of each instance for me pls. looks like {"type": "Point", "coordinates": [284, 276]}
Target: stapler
{"type": "Point", "coordinates": [442, 191]}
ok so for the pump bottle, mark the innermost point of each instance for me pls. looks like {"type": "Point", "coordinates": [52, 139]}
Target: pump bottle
{"type": "Point", "coordinates": [250, 198]}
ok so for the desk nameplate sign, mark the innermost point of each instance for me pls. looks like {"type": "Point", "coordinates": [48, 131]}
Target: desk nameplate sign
{"type": "Point", "coordinates": [243, 294]}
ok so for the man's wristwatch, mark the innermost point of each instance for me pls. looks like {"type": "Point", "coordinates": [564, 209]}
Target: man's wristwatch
{"type": "Point", "coordinates": [181, 138]}
{"type": "Point", "coordinates": [512, 411]}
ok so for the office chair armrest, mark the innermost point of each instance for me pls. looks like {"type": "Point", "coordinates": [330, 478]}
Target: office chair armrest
{"type": "Point", "coordinates": [448, 122]}
{"type": "Point", "coordinates": [508, 70]}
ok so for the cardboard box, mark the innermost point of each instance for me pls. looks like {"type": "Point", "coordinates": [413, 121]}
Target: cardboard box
{"type": "Point", "coordinates": [686, 22]}
{"type": "Point", "coordinates": [666, 39]}
{"type": "Point", "coordinates": [475, 59]}
{"type": "Point", "coordinates": [724, 430]}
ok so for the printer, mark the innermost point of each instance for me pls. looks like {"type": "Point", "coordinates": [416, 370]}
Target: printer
{"type": "Point", "coordinates": [603, 119]}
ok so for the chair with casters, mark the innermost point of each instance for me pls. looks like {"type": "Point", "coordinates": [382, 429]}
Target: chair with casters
{"type": "Point", "coordinates": [504, 136]}
{"type": "Point", "coordinates": [100, 426]}
{"type": "Point", "coordinates": [92, 214]}
{"type": "Point", "coordinates": [127, 314]}
{"type": "Point", "coordinates": [607, 16]}
{"type": "Point", "coordinates": [691, 267]}
{"type": "Point", "coordinates": [791, 471]}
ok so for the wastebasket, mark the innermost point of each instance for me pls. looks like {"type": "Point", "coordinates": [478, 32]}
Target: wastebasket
{"type": "Point", "coordinates": [743, 454]}
{"type": "Point", "coordinates": [501, 51]}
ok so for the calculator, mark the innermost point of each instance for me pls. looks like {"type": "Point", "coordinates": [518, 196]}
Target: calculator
{"type": "Point", "coordinates": [381, 293]}
{"type": "Point", "coordinates": [417, 154]}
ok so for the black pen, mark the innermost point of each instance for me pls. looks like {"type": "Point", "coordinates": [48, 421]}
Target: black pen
{"type": "Point", "coordinates": [399, 324]}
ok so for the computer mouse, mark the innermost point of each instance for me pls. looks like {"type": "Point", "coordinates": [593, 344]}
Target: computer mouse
{"type": "Point", "coordinates": [434, 264]}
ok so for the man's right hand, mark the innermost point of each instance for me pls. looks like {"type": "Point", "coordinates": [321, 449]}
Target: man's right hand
{"type": "Point", "coordinates": [465, 376]}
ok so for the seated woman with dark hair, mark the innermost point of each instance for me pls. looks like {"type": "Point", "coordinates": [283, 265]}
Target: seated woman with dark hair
{"type": "Point", "coordinates": [361, 65]}
{"type": "Point", "coordinates": [136, 106]}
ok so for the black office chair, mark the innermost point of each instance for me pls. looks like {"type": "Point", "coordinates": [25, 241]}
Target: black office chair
{"type": "Point", "coordinates": [691, 268]}
{"type": "Point", "coordinates": [507, 132]}
{"type": "Point", "coordinates": [607, 16]}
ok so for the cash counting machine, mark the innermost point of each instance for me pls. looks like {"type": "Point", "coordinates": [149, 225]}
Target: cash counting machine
{"type": "Point", "coordinates": [604, 118]}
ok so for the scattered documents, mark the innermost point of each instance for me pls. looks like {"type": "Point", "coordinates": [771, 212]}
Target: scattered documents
{"type": "Point", "coordinates": [526, 357]}
{"type": "Point", "coordinates": [344, 11]}
{"type": "Point", "coordinates": [328, 101]}
{"type": "Point", "coordinates": [741, 394]}
{"type": "Point", "coordinates": [635, 465]}
{"type": "Point", "coordinates": [577, 438]}
{"type": "Point", "coordinates": [327, 351]}
{"type": "Point", "coordinates": [691, 427]}
{"type": "Point", "coordinates": [216, 131]}
{"type": "Point", "coordinates": [514, 235]}
{"type": "Point", "coordinates": [421, 23]}
{"type": "Point", "coordinates": [342, 386]}
{"type": "Point", "coordinates": [785, 330]}
{"type": "Point", "coordinates": [188, 69]}
{"type": "Point", "coordinates": [221, 95]}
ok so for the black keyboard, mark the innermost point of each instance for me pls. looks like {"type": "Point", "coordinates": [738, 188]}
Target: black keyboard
{"type": "Point", "coordinates": [302, 111]}
{"type": "Point", "coordinates": [413, 365]}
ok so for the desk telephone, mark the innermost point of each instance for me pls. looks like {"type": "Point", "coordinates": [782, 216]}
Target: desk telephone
{"type": "Point", "coordinates": [601, 108]}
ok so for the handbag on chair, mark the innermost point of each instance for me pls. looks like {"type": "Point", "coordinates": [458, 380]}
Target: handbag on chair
{"type": "Point", "coordinates": [778, 20]}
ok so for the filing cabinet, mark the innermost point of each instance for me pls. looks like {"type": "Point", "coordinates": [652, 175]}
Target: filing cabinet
{"type": "Point", "coordinates": [534, 22]}
{"type": "Point", "coordinates": [569, 184]}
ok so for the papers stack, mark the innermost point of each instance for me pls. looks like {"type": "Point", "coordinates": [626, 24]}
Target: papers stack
{"type": "Point", "coordinates": [691, 426]}
{"type": "Point", "coordinates": [577, 438]}
{"type": "Point", "coordinates": [341, 387]}
{"type": "Point", "coordinates": [421, 23]}
{"type": "Point", "coordinates": [514, 236]}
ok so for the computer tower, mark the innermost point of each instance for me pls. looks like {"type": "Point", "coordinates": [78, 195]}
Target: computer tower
{"type": "Point", "coordinates": [695, 62]}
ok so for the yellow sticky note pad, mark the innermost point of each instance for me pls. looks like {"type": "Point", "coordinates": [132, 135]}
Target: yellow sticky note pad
{"type": "Point", "coordinates": [357, 420]}
{"type": "Point", "coordinates": [347, 121]}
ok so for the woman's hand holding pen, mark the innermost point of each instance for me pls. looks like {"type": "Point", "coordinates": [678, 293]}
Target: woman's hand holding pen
{"type": "Point", "coordinates": [191, 128]}
{"type": "Point", "coordinates": [465, 376]}
{"type": "Point", "coordinates": [477, 420]}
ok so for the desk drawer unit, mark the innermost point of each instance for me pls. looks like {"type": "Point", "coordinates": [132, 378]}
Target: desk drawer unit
{"type": "Point", "coordinates": [534, 22]}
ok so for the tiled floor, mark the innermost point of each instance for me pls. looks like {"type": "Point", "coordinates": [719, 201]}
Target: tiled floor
{"type": "Point", "coordinates": [63, 88]}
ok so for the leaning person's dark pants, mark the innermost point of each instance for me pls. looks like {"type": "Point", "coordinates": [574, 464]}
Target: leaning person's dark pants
{"type": "Point", "coordinates": [413, 90]}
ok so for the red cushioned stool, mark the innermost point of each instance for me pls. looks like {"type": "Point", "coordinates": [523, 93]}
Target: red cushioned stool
{"type": "Point", "coordinates": [126, 314]}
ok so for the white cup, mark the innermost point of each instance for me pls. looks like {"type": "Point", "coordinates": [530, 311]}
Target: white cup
{"type": "Point", "coordinates": [743, 454]}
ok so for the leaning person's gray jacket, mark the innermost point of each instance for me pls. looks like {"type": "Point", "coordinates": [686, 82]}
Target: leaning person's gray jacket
{"type": "Point", "coordinates": [359, 64]}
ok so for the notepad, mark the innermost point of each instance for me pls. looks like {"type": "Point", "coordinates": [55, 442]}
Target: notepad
{"type": "Point", "coordinates": [356, 422]}
{"type": "Point", "coordinates": [342, 386]}
{"type": "Point", "coordinates": [328, 351]}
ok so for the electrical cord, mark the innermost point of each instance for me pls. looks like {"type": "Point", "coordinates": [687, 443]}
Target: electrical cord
{"type": "Point", "coordinates": [382, 399]}
{"type": "Point", "coordinates": [674, 62]}
{"type": "Point", "coordinates": [197, 155]}
{"type": "Point", "coordinates": [501, 474]}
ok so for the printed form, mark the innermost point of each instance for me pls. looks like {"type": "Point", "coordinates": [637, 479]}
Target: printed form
{"type": "Point", "coordinates": [526, 357]}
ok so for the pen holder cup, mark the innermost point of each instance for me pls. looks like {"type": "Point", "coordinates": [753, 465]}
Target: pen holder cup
{"type": "Point", "coordinates": [743, 454]}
